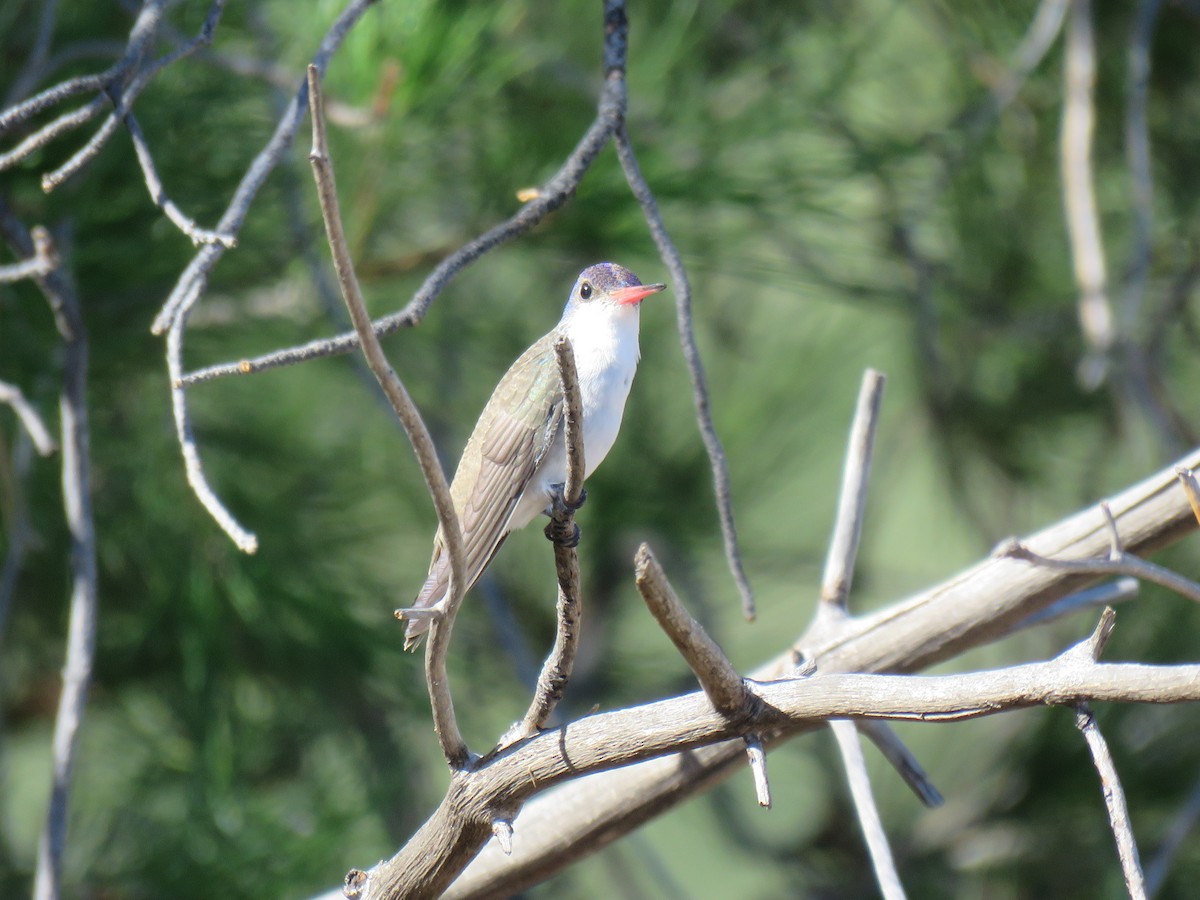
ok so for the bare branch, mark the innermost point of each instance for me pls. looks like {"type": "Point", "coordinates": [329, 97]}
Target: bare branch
{"type": "Point", "coordinates": [716, 674]}
{"type": "Point", "coordinates": [192, 281]}
{"type": "Point", "coordinates": [902, 760]}
{"type": "Point", "coordinates": [690, 724]}
{"type": "Point", "coordinates": [852, 501]}
{"type": "Point", "coordinates": [1125, 564]}
{"type": "Point", "coordinates": [1191, 487]}
{"type": "Point", "coordinates": [972, 608]}
{"type": "Point", "coordinates": [193, 468]}
{"type": "Point", "coordinates": [556, 672]}
{"type": "Point", "coordinates": [144, 28]}
{"type": "Point", "coordinates": [757, 757]}
{"type": "Point", "coordinates": [1114, 800]}
{"type": "Point", "coordinates": [445, 724]}
{"type": "Point", "coordinates": [691, 354]}
{"type": "Point", "coordinates": [1083, 225]}
{"type": "Point", "coordinates": [154, 185]}
{"type": "Point", "coordinates": [1115, 549]}
{"type": "Point", "coordinates": [77, 506]}
{"type": "Point", "coordinates": [1106, 594]}
{"type": "Point", "coordinates": [868, 814]}
{"type": "Point", "coordinates": [552, 195]}
{"type": "Point", "coordinates": [43, 260]}
{"type": "Point", "coordinates": [123, 100]}
{"type": "Point", "coordinates": [28, 417]}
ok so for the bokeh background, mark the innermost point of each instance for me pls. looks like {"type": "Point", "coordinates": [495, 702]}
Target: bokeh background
{"type": "Point", "coordinates": [845, 193]}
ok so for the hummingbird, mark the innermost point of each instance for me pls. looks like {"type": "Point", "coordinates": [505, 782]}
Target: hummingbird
{"type": "Point", "coordinates": [515, 462]}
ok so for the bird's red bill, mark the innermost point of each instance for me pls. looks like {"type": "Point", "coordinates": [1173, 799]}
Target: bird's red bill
{"type": "Point", "coordinates": [636, 293]}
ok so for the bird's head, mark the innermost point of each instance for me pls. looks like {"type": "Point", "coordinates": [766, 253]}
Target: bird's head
{"type": "Point", "coordinates": [611, 286]}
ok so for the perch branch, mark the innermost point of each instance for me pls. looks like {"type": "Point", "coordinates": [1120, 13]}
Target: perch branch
{"type": "Point", "coordinates": [462, 824]}
{"type": "Point", "coordinates": [445, 724]}
{"type": "Point", "coordinates": [691, 354]}
{"type": "Point", "coordinates": [972, 608]}
{"type": "Point", "coordinates": [556, 672]}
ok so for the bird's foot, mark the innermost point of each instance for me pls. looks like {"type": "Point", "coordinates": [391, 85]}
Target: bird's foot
{"type": "Point", "coordinates": [561, 535]}
{"type": "Point", "coordinates": [558, 500]}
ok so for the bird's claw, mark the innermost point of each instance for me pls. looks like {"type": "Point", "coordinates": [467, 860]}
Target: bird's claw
{"type": "Point", "coordinates": [558, 533]}
{"type": "Point", "coordinates": [558, 499]}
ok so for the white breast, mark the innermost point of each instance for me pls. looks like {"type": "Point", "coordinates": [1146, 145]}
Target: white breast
{"type": "Point", "coordinates": [605, 341]}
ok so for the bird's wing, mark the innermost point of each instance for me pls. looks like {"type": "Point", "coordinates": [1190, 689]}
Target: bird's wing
{"type": "Point", "coordinates": [517, 428]}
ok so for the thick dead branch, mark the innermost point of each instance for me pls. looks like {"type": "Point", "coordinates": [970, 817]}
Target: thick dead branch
{"type": "Point", "coordinates": [499, 785]}
{"type": "Point", "coordinates": [974, 607]}
{"type": "Point", "coordinates": [444, 722]}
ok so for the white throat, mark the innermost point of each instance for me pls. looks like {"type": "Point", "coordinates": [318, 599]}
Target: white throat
{"type": "Point", "coordinates": [605, 340]}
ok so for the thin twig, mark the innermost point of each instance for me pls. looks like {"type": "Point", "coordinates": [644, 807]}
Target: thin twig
{"type": "Point", "coordinates": [757, 756]}
{"type": "Point", "coordinates": [193, 468]}
{"type": "Point", "coordinates": [552, 195]}
{"type": "Point", "coordinates": [691, 354]}
{"type": "Point", "coordinates": [192, 281]}
{"type": "Point", "coordinates": [852, 501]}
{"type": "Point", "coordinates": [1125, 564]}
{"type": "Point", "coordinates": [154, 185]}
{"type": "Point", "coordinates": [445, 724]}
{"type": "Point", "coordinates": [29, 418]}
{"type": "Point", "coordinates": [1191, 487]}
{"type": "Point", "coordinates": [1106, 594]}
{"type": "Point", "coordinates": [902, 760]}
{"type": "Point", "coordinates": [41, 262]}
{"type": "Point", "coordinates": [1114, 801]}
{"type": "Point", "coordinates": [716, 674]}
{"type": "Point", "coordinates": [868, 814]}
{"type": "Point", "coordinates": [556, 671]}
{"type": "Point", "coordinates": [144, 28]}
{"type": "Point", "coordinates": [1079, 199]}
{"type": "Point", "coordinates": [123, 99]}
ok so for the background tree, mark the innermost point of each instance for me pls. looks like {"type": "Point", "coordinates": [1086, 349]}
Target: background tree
{"type": "Point", "coordinates": [850, 185]}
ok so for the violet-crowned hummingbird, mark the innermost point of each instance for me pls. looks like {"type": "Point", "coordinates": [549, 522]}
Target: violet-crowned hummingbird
{"type": "Point", "coordinates": [515, 462]}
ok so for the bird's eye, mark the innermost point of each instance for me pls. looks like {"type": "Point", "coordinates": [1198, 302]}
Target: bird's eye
{"type": "Point", "coordinates": [585, 290]}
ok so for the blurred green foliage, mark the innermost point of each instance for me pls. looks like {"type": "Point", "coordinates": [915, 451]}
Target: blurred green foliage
{"type": "Point", "coordinates": [254, 726]}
